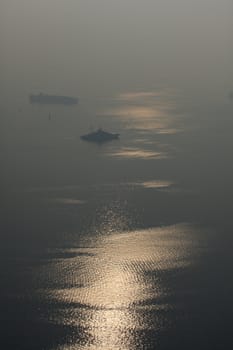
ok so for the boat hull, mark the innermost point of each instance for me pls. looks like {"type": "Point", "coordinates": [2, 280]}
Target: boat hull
{"type": "Point", "coordinates": [100, 137]}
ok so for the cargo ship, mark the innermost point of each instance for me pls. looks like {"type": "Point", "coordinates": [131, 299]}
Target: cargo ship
{"type": "Point", "coordinates": [52, 99]}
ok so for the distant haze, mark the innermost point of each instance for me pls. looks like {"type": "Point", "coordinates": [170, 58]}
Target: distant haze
{"type": "Point", "coordinates": [95, 47]}
{"type": "Point", "coordinates": [125, 244]}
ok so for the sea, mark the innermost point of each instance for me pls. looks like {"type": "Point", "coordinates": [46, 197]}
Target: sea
{"type": "Point", "coordinates": [124, 245]}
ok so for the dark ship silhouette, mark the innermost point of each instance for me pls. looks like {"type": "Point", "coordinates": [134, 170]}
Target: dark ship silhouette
{"type": "Point", "coordinates": [100, 136]}
{"type": "Point", "coordinates": [52, 99]}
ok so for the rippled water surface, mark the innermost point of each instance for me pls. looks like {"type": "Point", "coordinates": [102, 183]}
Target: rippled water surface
{"type": "Point", "coordinates": [114, 282]}
{"type": "Point", "coordinates": [124, 245]}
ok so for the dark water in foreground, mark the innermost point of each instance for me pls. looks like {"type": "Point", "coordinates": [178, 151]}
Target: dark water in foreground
{"type": "Point", "coordinates": [127, 245]}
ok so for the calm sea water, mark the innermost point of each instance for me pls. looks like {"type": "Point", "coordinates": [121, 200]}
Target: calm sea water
{"type": "Point", "coordinates": [127, 245]}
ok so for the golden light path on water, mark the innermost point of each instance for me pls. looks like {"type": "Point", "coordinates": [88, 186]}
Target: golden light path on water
{"type": "Point", "coordinates": [144, 120]}
{"type": "Point", "coordinates": [156, 184]}
{"type": "Point", "coordinates": [134, 153]}
{"type": "Point", "coordinates": [111, 281]}
{"type": "Point", "coordinates": [147, 110]}
{"type": "Point", "coordinates": [107, 283]}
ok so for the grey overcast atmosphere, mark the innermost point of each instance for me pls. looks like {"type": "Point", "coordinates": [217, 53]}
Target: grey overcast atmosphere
{"type": "Point", "coordinates": [116, 124]}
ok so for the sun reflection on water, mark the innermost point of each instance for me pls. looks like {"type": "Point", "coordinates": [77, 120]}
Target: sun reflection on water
{"type": "Point", "coordinates": [145, 120]}
{"type": "Point", "coordinates": [140, 153]}
{"type": "Point", "coordinates": [112, 283]}
{"type": "Point", "coordinates": [147, 110]}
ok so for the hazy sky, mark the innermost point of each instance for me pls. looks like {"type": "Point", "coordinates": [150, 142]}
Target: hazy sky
{"type": "Point", "coordinates": [93, 47]}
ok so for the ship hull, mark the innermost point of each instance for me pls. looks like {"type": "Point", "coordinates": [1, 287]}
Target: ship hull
{"type": "Point", "coordinates": [52, 99]}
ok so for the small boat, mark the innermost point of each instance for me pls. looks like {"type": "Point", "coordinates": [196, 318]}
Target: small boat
{"type": "Point", "coordinates": [100, 136]}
